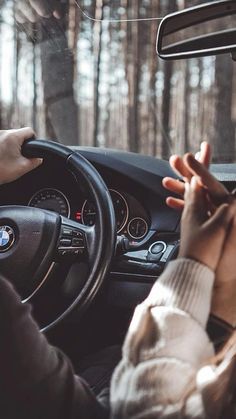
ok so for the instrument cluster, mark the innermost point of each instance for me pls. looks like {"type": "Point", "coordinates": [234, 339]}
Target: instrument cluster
{"type": "Point", "coordinates": [131, 218]}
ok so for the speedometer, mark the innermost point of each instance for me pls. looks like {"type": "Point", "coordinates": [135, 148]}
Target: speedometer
{"type": "Point", "coordinates": [52, 200]}
{"type": "Point", "coordinates": [120, 207]}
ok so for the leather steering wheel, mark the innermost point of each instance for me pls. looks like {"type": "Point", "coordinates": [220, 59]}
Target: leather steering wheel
{"type": "Point", "coordinates": [40, 244]}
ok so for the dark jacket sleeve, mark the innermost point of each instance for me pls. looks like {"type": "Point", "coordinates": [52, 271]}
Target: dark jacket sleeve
{"type": "Point", "coordinates": [36, 380]}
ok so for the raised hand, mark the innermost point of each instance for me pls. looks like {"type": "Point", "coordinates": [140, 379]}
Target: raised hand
{"type": "Point", "coordinates": [224, 295]}
{"type": "Point", "coordinates": [203, 238]}
{"type": "Point", "coordinates": [189, 166]}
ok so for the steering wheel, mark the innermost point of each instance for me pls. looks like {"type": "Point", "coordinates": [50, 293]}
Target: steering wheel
{"type": "Point", "coordinates": [37, 245]}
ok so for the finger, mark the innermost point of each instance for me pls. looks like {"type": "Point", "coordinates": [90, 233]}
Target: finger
{"type": "Point", "coordinates": [57, 13]}
{"type": "Point", "coordinates": [175, 203]}
{"type": "Point", "coordinates": [31, 164]}
{"type": "Point", "coordinates": [27, 11]}
{"type": "Point", "coordinates": [205, 154]}
{"type": "Point", "coordinates": [28, 133]}
{"type": "Point", "coordinates": [178, 165]}
{"type": "Point", "coordinates": [215, 188]}
{"type": "Point", "coordinates": [195, 202]}
{"type": "Point", "coordinates": [45, 8]}
{"type": "Point", "coordinates": [198, 155]}
{"type": "Point", "coordinates": [174, 185]}
{"type": "Point", "coordinates": [230, 242]}
{"type": "Point", "coordinates": [41, 7]}
{"type": "Point", "coordinates": [20, 18]}
{"type": "Point", "coordinates": [23, 134]}
{"type": "Point", "coordinates": [222, 218]}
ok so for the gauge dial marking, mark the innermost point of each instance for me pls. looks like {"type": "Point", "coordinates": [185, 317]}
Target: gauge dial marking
{"type": "Point", "coordinates": [137, 228]}
{"type": "Point", "coordinates": [120, 206]}
{"type": "Point", "coordinates": [52, 200]}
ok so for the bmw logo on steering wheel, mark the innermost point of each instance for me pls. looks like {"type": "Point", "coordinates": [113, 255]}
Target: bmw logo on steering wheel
{"type": "Point", "coordinates": [7, 238]}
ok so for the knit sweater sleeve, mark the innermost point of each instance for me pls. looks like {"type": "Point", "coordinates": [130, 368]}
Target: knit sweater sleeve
{"type": "Point", "coordinates": [165, 347]}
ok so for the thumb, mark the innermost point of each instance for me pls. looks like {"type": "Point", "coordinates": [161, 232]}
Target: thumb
{"type": "Point", "coordinates": [206, 179]}
{"type": "Point", "coordinates": [35, 162]}
{"type": "Point", "coordinates": [221, 220]}
{"type": "Point", "coordinates": [195, 202]}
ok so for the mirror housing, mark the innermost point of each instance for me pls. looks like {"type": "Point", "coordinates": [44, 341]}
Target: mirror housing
{"type": "Point", "coordinates": [208, 29]}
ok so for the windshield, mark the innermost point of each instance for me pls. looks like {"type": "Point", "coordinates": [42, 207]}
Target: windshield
{"type": "Point", "coordinates": [89, 75]}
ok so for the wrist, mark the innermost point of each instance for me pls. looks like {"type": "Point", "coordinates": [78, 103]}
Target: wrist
{"type": "Point", "coordinates": [223, 304]}
{"type": "Point", "coordinates": [186, 285]}
{"type": "Point", "coordinates": [198, 258]}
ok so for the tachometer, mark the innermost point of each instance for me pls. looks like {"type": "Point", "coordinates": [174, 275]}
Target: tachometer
{"type": "Point", "coordinates": [120, 207]}
{"type": "Point", "coordinates": [52, 200]}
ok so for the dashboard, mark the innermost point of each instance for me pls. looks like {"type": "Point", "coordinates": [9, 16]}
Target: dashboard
{"type": "Point", "coordinates": [135, 184]}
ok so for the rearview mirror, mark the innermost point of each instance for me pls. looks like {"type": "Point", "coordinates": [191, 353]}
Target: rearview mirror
{"type": "Point", "coordinates": [207, 29]}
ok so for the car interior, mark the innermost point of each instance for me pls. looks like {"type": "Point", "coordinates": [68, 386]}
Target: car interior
{"type": "Point", "coordinates": [105, 233]}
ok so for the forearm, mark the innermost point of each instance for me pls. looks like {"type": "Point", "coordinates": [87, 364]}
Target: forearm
{"type": "Point", "coordinates": [223, 302]}
{"type": "Point", "coordinates": [166, 343]}
{"type": "Point", "coordinates": [36, 379]}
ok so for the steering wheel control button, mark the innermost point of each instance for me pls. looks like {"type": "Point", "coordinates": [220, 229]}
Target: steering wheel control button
{"type": "Point", "coordinates": [67, 232]}
{"type": "Point", "coordinates": [65, 242]}
{"type": "Point", "coordinates": [78, 234]}
{"type": "Point", "coordinates": [77, 242]}
{"type": "Point", "coordinates": [71, 242]}
{"type": "Point", "coordinates": [7, 238]}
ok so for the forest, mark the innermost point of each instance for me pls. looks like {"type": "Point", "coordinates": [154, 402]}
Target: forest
{"type": "Point", "coordinates": [93, 78]}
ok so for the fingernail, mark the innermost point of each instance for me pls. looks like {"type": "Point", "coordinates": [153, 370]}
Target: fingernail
{"type": "Point", "coordinates": [194, 181]}
{"type": "Point", "coordinates": [56, 14]}
{"type": "Point", "coordinates": [186, 186]}
{"type": "Point", "coordinates": [234, 193]}
{"type": "Point", "coordinates": [197, 155]}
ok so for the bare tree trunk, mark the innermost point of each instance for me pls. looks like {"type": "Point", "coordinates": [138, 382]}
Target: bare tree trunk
{"type": "Point", "coordinates": [133, 76]}
{"type": "Point", "coordinates": [15, 76]}
{"type": "Point", "coordinates": [1, 98]}
{"type": "Point", "coordinates": [166, 100]}
{"type": "Point", "coordinates": [98, 29]}
{"type": "Point", "coordinates": [34, 111]}
{"type": "Point", "coordinates": [58, 77]}
{"type": "Point", "coordinates": [187, 116]}
{"type": "Point", "coordinates": [224, 135]}
{"type": "Point", "coordinates": [153, 72]}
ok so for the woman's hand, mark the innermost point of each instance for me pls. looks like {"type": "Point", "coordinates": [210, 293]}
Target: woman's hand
{"type": "Point", "coordinates": [203, 238]}
{"type": "Point", "coordinates": [224, 295]}
{"type": "Point", "coordinates": [12, 163]}
{"type": "Point", "coordinates": [189, 166]}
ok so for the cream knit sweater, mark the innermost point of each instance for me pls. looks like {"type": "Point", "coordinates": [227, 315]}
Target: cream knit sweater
{"type": "Point", "coordinates": [165, 371]}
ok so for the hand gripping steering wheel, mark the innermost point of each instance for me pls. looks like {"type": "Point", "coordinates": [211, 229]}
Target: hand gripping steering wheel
{"type": "Point", "coordinates": [39, 246]}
